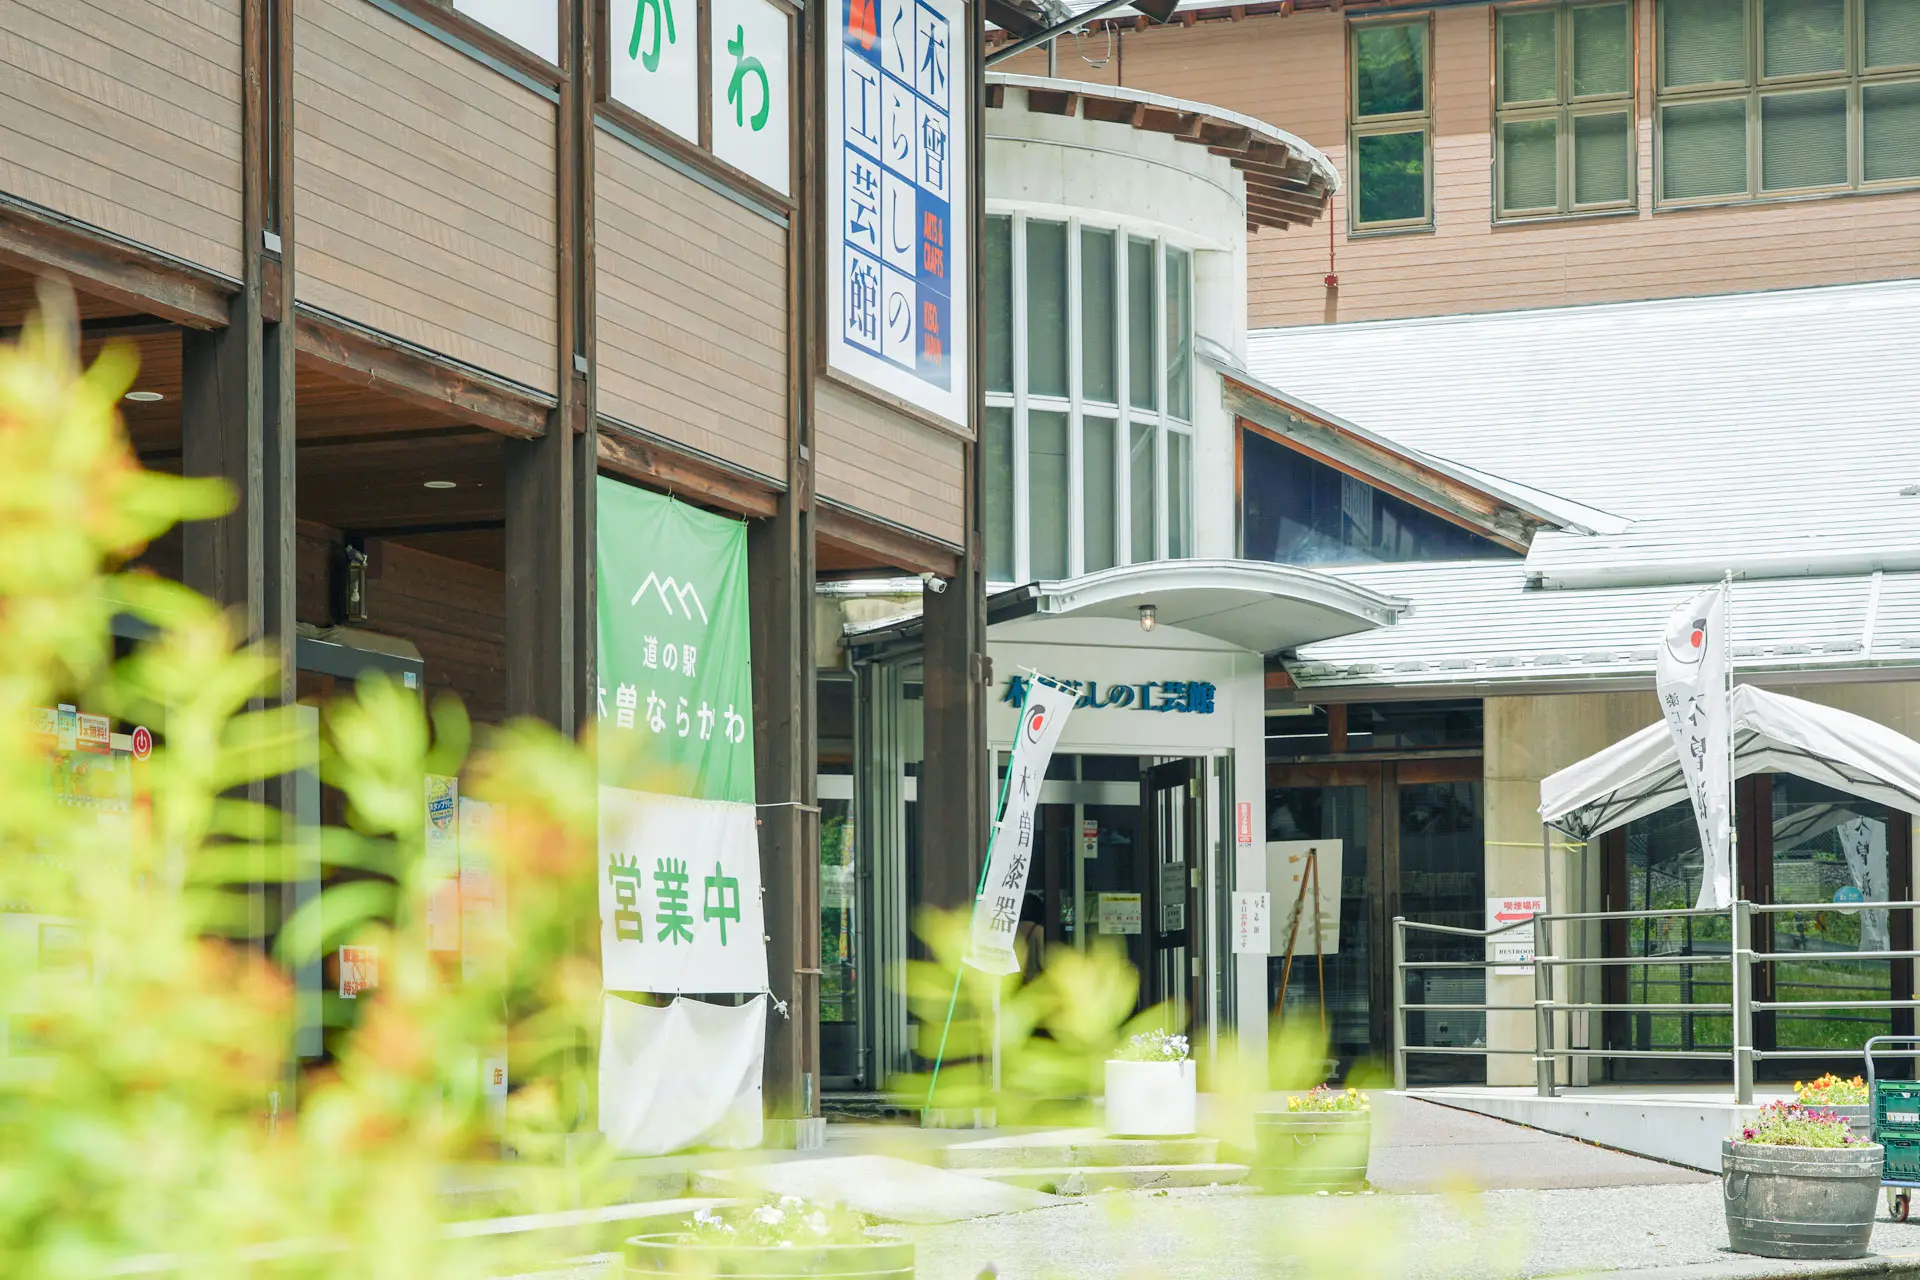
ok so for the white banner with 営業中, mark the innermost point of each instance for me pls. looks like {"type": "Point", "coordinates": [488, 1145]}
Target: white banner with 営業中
{"type": "Point", "coordinates": [680, 908]}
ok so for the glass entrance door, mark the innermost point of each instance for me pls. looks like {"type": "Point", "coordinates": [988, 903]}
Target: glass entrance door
{"type": "Point", "coordinates": [1169, 860]}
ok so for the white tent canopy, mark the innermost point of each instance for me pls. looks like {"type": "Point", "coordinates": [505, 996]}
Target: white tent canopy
{"type": "Point", "coordinates": [1772, 733]}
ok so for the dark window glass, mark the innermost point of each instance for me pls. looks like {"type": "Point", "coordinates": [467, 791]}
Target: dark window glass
{"type": "Point", "coordinates": [1299, 511]}
{"type": "Point", "coordinates": [1391, 170]}
{"type": "Point", "coordinates": [1410, 726]}
{"type": "Point", "coordinates": [1390, 68]}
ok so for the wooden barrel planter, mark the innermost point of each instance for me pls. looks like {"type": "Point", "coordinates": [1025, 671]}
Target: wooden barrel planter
{"type": "Point", "coordinates": [1301, 1152]}
{"type": "Point", "coordinates": [1800, 1202]}
{"type": "Point", "coordinates": [668, 1255]}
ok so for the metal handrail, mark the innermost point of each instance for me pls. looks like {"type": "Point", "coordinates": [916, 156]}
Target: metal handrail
{"type": "Point", "coordinates": [1740, 959]}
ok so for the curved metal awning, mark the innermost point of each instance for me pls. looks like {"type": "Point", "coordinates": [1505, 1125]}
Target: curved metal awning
{"type": "Point", "coordinates": [1249, 604]}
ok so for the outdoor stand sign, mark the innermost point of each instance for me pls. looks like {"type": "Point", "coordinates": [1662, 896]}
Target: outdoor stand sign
{"type": "Point", "coordinates": [1691, 676]}
{"type": "Point", "coordinates": [996, 909]}
{"type": "Point", "coordinates": [680, 906]}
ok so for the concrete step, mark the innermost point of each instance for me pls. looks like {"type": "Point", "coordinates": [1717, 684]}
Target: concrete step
{"type": "Point", "coordinates": [1078, 1149]}
{"type": "Point", "coordinates": [1082, 1179]}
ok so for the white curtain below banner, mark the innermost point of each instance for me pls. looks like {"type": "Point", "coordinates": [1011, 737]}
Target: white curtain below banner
{"type": "Point", "coordinates": [680, 909]}
{"type": "Point", "coordinates": [996, 911]}
{"type": "Point", "coordinates": [684, 1076]}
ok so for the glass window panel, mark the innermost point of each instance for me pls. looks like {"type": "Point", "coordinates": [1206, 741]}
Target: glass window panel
{"type": "Point", "coordinates": [1602, 159]}
{"type": "Point", "coordinates": [1893, 33]}
{"type": "Point", "coordinates": [1100, 455]}
{"type": "Point", "coordinates": [1529, 165]}
{"type": "Point", "coordinates": [1803, 37]}
{"type": "Point", "coordinates": [1179, 495]}
{"type": "Point", "coordinates": [1602, 49]}
{"type": "Point", "coordinates": [1391, 170]}
{"type": "Point", "coordinates": [1047, 308]}
{"type": "Point", "coordinates": [998, 304]}
{"type": "Point", "coordinates": [1703, 41]}
{"type": "Point", "coordinates": [1098, 308]}
{"type": "Point", "coordinates": [1143, 472]}
{"type": "Point", "coordinates": [1179, 334]}
{"type": "Point", "coordinates": [1389, 68]}
{"type": "Point", "coordinates": [1890, 147]}
{"type": "Point", "coordinates": [999, 485]}
{"type": "Point", "coordinates": [1703, 149]}
{"type": "Point", "coordinates": [1803, 140]}
{"type": "Point", "coordinates": [1047, 494]}
{"type": "Point", "coordinates": [1143, 324]}
{"type": "Point", "coordinates": [1529, 55]}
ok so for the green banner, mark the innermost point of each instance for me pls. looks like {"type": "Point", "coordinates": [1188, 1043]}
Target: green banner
{"type": "Point", "coordinates": [676, 684]}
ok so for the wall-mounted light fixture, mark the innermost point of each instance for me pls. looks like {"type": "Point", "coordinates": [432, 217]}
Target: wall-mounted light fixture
{"type": "Point", "coordinates": [1149, 617]}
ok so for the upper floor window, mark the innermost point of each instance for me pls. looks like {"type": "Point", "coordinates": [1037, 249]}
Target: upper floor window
{"type": "Point", "coordinates": [1089, 368]}
{"type": "Point", "coordinates": [1763, 98]}
{"type": "Point", "coordinates": [1563, 118]}
{"type": "Point", "coordinates": [1298, 510]}
{"type": "Point", "coordinates": [1390, 143]}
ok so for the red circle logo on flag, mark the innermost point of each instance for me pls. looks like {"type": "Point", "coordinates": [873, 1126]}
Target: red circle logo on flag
{"type": "Point", "coordinates": [142, 742]}
{"type": "Point", "coordinates": [1036, 720]}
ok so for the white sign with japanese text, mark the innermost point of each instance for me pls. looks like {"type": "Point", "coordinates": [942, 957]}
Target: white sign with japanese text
{"type": "Point", "coordinates": [897, 200]}
{"type": "Point", "coordinates": [680, 909]}
{"type": "Point", "coordinates": [752, 129]}
{"type": "Point", "coordinates": [1690, 674]}
{"type": "Point", "coordinates": [1294, 869]}
{"type": "Point", "coordinates": [1252, 923]}
{"type": "Point", "coordinates": [653, 62]}
{"type": "Point", "coordinates": [1512, 952]}
{"type": "Point", "coordinates": [1119, 913]}
{"type": "Point", "coordinates": [534, 25]}
{"type": "Point", "coordinates": [996, 912]}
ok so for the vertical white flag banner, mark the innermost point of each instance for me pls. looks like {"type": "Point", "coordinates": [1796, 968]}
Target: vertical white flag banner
{"type": "Point", "coordinates": [1691, 676]}
{"type": "Point", "coordinates": [996, 912]}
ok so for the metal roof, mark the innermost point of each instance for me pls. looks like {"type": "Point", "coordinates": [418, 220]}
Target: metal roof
{"type": "Point", "coordinates": [1770, 434]}
{"type": "Point", "coordinates": [1477, 627]}
{"type": "Point", "coordinates": [1288, 180]}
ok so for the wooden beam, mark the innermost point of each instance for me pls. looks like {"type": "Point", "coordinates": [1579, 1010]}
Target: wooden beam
{"type": "Point", "coordinates": [45, 244]}
{"type": "Point", "coordinates": [1053, 102]}
{"type": "Point", "coordinates": [631, 456]}
{"type": "Point", "coordinates": [364, 359]}
{"type": "Point", "coordinates": [887, 545]}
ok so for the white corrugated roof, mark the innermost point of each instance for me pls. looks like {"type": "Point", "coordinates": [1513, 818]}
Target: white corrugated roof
{"type": "Point", "coordinates": [1477, 623]}
{"type": "Point", "coordinates": [1776, 424]}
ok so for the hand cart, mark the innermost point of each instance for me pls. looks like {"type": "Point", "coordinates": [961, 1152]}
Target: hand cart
{"type": "Point", "coordinates": [1893, 1107]}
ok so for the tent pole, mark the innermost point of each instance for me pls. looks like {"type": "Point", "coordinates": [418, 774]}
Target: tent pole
{"type": "Point", "coordinates": [1545, 1067]}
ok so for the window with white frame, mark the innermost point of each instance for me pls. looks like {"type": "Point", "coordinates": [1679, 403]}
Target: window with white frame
{"type": "Point", "coordinates": [1089, 366]}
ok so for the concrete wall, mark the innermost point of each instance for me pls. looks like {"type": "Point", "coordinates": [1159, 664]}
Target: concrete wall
{"type": "Point", "coordinates": [1528, 738]}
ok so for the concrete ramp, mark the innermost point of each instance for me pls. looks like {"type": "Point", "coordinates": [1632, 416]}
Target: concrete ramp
{"type": "Point", "coordinates": [883, 1187]}
{"type": "Point", "coordinates": [1680, 1129]}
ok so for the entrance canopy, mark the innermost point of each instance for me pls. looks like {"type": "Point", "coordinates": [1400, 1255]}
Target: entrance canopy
{"type": "Point", "coordinates": [1249, 604]}
{"type": "Point", "coordinates": [1772, 733]}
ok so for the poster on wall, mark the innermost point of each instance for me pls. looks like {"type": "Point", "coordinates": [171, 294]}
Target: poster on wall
{"type": "Point", "coordinates": [1293, 899]}
{"type": "Point", "coordinates": [679, 852]}
{"type": "Point", "coordinates": [653, 61]}
{"type": "Point", "coordinates": [752, 128]}
{"type": "Point", "coordinates": [897, 200]}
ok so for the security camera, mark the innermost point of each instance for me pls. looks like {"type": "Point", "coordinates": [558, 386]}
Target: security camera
{"type": "Point", "coordinates": [934, 582]}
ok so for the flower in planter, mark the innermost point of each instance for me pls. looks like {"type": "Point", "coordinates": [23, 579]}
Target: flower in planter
{"type": "Point", "coordinates": [784, 1223]}
{"type": "Point", "coordinates": [1831, 1091]}
{"type": "Point", "coordinates": [1324, 1097]}
{"type": "Point", "coordinates": [1154, 1046]}
{"type": "Point", "coordinates": [1788, 1124]}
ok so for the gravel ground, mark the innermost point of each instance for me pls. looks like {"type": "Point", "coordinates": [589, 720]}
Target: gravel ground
{"type": "Point", "coordinates": [1228, 1234]}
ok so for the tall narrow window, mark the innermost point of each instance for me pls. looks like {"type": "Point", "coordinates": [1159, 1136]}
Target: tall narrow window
{"type": "Point", "coordinates": [1761, 98]}
{"type": "Point", "coordinates": [1392, 131]}
{"type": "Point", "coordinates": [1087, 472]}
{"type": "Point", "coordinates": [1564, 120]}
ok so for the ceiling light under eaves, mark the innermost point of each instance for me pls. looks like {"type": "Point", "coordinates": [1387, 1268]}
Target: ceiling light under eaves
{"type": "Point", "coordinates": [144, 397]}
{"type": "Point", "coordinates": [440, 484]}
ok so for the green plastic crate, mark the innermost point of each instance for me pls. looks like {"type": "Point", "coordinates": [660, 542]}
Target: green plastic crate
{"type": "Point", "coordinates": [1896, 1107]}
{"type": "Point", "coordinates": [1902, 1160]}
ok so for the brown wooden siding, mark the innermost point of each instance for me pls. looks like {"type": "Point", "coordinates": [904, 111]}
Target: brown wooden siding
{"type": "Point", "coordinates": [1291, 71]}
{"type": "Point", "coordinates": [424, 192]}
{"type": "Point", "coordinates": [127, 116]}
{"type": "Point", "coordinates": [886, 464]}
{"type": "Point", "coordinates": [692, 320]}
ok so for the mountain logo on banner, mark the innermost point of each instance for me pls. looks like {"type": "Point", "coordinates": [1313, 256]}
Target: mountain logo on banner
{"type": "Point", "coordinates": [686, 593]}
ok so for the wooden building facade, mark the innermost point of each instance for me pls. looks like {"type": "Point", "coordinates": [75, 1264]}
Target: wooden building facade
{"type": "Point", "coordinates": [410, 281]}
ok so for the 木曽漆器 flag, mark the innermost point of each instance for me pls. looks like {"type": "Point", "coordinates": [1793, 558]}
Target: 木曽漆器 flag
{"type": "Point", "coordinates": [1691, 676]}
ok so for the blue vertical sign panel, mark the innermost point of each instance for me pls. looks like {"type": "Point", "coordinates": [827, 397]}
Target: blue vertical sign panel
{"type": "Point", "coordinates": [896, 189]}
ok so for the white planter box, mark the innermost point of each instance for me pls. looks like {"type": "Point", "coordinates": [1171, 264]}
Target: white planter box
{"type": "Point", "coordinates": [1151, 1099]}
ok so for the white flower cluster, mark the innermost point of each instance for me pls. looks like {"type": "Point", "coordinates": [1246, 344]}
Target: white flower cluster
{"type": "Point", "coordinates": [784, 1223]}
{"type": "Point", "coordinates": [1156, 1046]}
